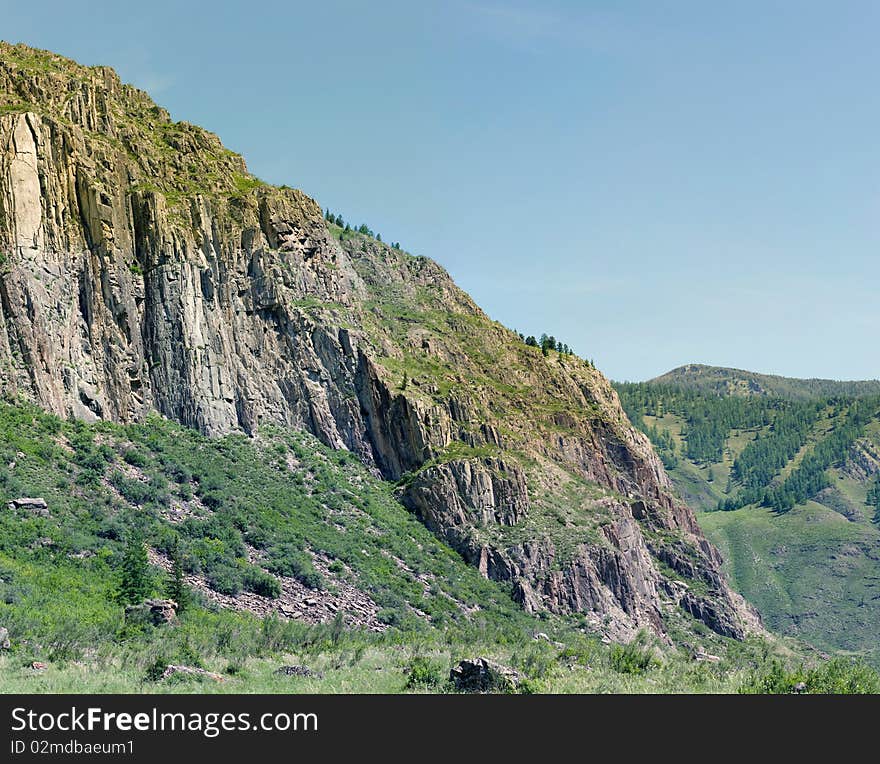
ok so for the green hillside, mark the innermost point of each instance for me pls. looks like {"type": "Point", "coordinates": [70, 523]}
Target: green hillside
{"type": "Point", "coordinates": [810, 572]}
{"type": "Point", "coordinates": [788, 487]}
{"type": "Point", "coordinates": [258, 528]}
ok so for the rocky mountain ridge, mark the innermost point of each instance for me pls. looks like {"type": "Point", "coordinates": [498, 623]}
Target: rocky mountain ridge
{"type": "Point", "coordinates": [145, 270]}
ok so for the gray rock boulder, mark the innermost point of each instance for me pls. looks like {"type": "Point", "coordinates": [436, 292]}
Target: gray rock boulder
{"type": "Point", "coordinates": [303, 671]}
{"type": "Point", "coordinates": [191, 672]}
{"type": "Point", "coordinates": [482, 675]}
{"type": "Point", "coordinates": [37, 506]}
{"type": "Point", "coordinates": [157, 612]}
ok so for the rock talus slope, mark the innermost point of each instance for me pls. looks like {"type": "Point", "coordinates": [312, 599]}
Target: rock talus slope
{"type": "Point", "coordinates": [144, 269]}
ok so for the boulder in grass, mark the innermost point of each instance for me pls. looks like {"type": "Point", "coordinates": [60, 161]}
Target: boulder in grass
{"type": "Point", "coordinates": [36, 506]}
{"type": "Point", "coordinates": [298, 671]}
{"type": "Point", "coordinates": [157, 612]}
{"type": "Point", "coordinates": [482, 675]}
{"type": "Point", "coordinates": [190, 671]}
{"type": "Point", "coordinates": [4, 639]}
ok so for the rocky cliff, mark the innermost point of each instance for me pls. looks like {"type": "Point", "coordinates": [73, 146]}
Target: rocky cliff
{"type": "Point", "coordinates": [144, 269]}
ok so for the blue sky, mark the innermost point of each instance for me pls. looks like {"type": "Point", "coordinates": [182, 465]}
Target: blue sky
{"type": "Point", "coordinates": [655, 183]}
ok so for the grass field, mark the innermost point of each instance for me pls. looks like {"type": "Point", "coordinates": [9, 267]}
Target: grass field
{"type": "Point", "coordinates": [362, 665]}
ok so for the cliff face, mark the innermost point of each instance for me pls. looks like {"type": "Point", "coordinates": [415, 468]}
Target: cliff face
{"type": "Point", "coordinates": [144, 269]}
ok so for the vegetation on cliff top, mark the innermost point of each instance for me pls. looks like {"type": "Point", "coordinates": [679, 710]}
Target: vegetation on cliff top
{"type": "Point", "coordinates": [178, 160]}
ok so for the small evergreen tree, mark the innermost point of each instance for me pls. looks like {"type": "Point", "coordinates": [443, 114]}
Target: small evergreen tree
{"type": "Point", "coordinates": [177, 589]}
{"type": "Point", "coordinates": [874, 499]}
{"type": "Point", "coordinates": [135, 583]}
{"type": "Point", "coordinates": [547, 343]}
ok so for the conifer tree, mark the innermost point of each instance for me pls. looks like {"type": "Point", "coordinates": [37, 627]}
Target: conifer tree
{"type": "Point", "coordinates": [177, 589]}
{"type": "Point", "coordinates": [135, 583]}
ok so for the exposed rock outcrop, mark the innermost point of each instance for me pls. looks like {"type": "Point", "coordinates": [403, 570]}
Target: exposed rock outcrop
{"type": "Point", "coordinates": [863, 460]}
{"type": "Point", "coordinates": [460, 495]}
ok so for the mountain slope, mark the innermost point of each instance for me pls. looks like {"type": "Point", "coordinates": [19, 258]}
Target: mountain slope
{"type": "Point", "coordinates": [797, 483]}
{"type": "Point", "coordinates": [233, 510]}
{"type": "Point", "coordinates": [147, 271]}
{"type": "Point", "coordinates": [725, 381]}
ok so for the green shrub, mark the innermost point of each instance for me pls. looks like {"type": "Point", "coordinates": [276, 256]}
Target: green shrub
{"type": "Point", "coordinates": [535, 661]}
{"type": "Point", "coordinates": [225, 579]}
{"type": "Point", "coordinates": [212, 499]}
{"type": "Point", "coordinates": [771, 680]}
{"type": "Point", "coordinates": [155, 670]}
{"type": "Point", "coordinates": [135, 458]}
{"type": "Point", "coordinates": [389, 617]}
{"type": "Point", "coordinates": [258, 582]}
{"type": "Point", "coordinates": [286, 560]}
{"type": "Point", "coordinates": [839, 676]}
{"type": "Point", "coordinates": [424, 673]}
{"type": "Point", "coordinates": [633, 658]}
{"type": "Point", "coordinates": [177, 472]}
{"type": "Point", "coordinates": [132, 490]}
{"type": "Point", "coordinates": [188, 655]}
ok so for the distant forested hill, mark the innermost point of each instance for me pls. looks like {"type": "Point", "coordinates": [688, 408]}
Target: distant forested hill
{"type": "Point", "coordinates": [716, 379]}
{"type": "Point", "coordinates": [786, 473]}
